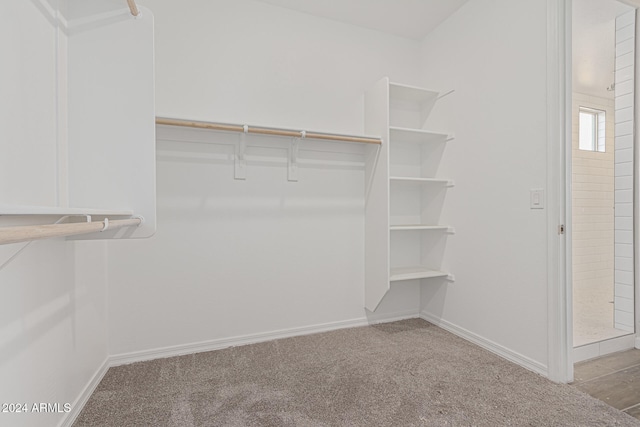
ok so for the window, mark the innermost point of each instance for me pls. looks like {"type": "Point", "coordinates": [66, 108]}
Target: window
{"type": "Point", "coordinates": [591, 132]}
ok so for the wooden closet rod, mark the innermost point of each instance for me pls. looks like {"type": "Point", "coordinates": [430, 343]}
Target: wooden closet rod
{"type": "Point", "coordinates": [133, 7]}
{"type": "Point", "coordinates": [266, 131]}
{"type": "Point", "coordinates": [37, 232]}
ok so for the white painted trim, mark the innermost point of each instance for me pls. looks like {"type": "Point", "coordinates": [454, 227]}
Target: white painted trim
{"type": "Point", "coordinates": [84, 396]}
{"type": "Point", "coordinates": [179, 350]}
{"type": "Point", "coordinates": [603, 348]}
{"type": "Point", "coordinates": [487, 344]}
{"type": "Point", "coordinates": [559, 307]}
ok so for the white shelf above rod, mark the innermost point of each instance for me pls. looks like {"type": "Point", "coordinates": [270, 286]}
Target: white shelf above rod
{"type": "Point", "coordinates": [37, 232]}
{"type": "Point", "coordinates": [267, 131]}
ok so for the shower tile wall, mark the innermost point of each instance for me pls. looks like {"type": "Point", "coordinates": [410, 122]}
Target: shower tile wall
{"type": "Point", "coordinates": [593, 230]}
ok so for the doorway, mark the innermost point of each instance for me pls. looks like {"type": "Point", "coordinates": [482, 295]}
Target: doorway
{"type": "Point", "coordinates": [602, 177]}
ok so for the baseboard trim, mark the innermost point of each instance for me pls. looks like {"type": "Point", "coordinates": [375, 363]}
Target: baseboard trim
{"type": "Point", "coordinates": [180, 350]}
{"type": "Point", "coordinates": [84, 396]}
{"type": "Point", "coordinates": [487, 344]}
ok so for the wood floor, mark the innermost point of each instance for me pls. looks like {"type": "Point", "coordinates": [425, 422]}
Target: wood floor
{"type": "Point", "coordinates": [614, 379]}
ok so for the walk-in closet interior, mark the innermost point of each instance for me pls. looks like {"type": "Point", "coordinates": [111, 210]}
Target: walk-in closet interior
{"type": "Point", "coordinates": [182, 177]}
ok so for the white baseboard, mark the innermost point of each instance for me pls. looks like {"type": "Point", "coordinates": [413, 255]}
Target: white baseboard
{"type": "Point", "coordinates": [487, 344]}
{"type": "Point", "coordinates": [84, 396]}
{"type": "Point", "coordinates": [180, 350]}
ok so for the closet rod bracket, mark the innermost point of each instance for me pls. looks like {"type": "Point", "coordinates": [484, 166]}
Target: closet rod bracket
{"type": "Point", "coordinates": [240, 161]}
{"type": "Point", "coordinates": [294, 147]}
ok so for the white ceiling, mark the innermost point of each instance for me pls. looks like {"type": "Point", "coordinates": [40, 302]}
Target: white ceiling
{"type": "Point", "coordinates": [594, 45]}
{"type": "Point", "coordinates": [406, 18]}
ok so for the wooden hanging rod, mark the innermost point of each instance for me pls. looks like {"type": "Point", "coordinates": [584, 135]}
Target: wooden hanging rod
{"type": "Point", "coordinates": [37, 232]}
{"type": "Point", "coordinates": [266, 131]}
{"type": "Point", "coordinates": [133, 7]}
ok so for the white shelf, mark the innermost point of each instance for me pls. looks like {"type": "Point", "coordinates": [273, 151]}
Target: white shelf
{"type": "Point", "coordinates": [421, 227]}
{"type": "Point", "coordinates": [399, 134]}
{"type": "Point", "coordinates": [400, 92]}
{"type": "Point", "coordinates": [411, 273]}
{"type": "Point", "coordinates": [53, 210]}
{"type": "Point", "coordinates": [447, 182]}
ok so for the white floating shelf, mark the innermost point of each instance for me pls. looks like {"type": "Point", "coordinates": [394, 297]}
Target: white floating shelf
{"type": "Point", "coordinates": [447, 182]}
{"type": "Point", "coordinates": [412, 273]}
{"type": "Point", "coordinates": [400, 92]}
{"type": "Point", "coordinates": [53, 210]}
{"type": "Point", "coordinates": [416, 136]}
{"type": "Point", "coordinates": [446, 228]}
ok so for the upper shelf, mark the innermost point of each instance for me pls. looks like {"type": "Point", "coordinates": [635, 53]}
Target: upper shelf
{"type": "Point", "coordinates": [410, 227]}
{"type": "Point", "coordinates": [53, 210]}
{"type": "Point", "coordinates": [401, 92]}
{"type": "Point", "coordinates": [399, 134]}
{"type": "Point", "coordinates": [418, 272]}
{"type": "Point", "coordinates": [446, 182]}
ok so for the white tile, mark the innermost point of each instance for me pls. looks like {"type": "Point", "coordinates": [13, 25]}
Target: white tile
{"type": "Point", "coordinates": [625, 33]}
{"type": "Point", "coordinates": [624, 223]}
{"type": "Point", "coordinates": [625, 291]}
{"type": "Point", "coordinates": [624, 236]}
{"type": "Point", "coordinates": [623, 304]}
{"type": "Point", "coordinates": [623, 75]}
{"type": "Point", "coordinates": [624, 182]}
{"type": "Point", "coordinates": [625, 60]}
{"type": "Point", "coordinates": [624, 100]}
{"type": "Point", "coordinates": [624, 250]}
{"type": "Point", "coordinates": [623, 210]}
{"type": "Point", "coordinates": [623, 155]}
{"type": "Point", "coordinates": [624, 169]}
{"type": "Point", "coordinates": [624, 196]}
{"type": "Point", "coordinates": [624, 128]}
{"type": "Point", "coordinates": [623, 318]}
{"type": "Point", "coordinates": [624, 263]}
{"type": "Point", "coordinates": [586, 352]}
{"type": "Point", "coordinates": [625, 19]}
{"type": "Point", "coordinates": [624, 114]}
{"type": "Point", "coordinates": [623, 142]}
{"type": "Point", "coordinates": [624, 87]}
{"type": "Point", "coordinates": [624, 46]}
{"type": "Point", "coordinates": [622, 327]}
{"type": "Point", "coordinates": [624, 278]}
{"type": "Point", "coordinates": [618, 344]}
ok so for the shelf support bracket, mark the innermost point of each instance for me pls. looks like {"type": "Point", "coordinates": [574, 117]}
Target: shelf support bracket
{"type": "Point", "coordinates": [240, 161]}
{"type": "Point", "coordinates": [294, 146]}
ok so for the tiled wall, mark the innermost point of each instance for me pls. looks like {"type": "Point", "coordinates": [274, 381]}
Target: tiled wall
{"type": "Point", "coordinates": [623, 171]}
{"type": "Point", "coordinates": [593, 199]}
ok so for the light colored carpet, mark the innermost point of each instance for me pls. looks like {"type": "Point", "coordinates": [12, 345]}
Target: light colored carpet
{"type": "Point", "coordinates": [408, 373]}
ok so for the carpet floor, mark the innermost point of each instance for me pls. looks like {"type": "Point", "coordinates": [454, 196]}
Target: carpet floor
{"type": "Point", "coordinates": [407, 373]}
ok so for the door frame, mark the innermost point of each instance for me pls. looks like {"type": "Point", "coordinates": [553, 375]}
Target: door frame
{"type": "Point", "coordinates": [559, 282]}
{"type": "Point", "coordinates": [559, 191]}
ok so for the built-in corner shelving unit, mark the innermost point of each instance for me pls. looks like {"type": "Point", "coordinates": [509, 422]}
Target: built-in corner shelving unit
{"type": "Point", "coordinates": [405, 195]}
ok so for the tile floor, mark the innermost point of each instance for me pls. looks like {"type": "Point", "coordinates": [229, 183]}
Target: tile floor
{"type": "Point", "coordinates": [614, 379]}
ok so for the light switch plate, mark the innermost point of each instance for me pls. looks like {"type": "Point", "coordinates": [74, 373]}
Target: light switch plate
{"type": "Point", "coordinates": [537, 198]}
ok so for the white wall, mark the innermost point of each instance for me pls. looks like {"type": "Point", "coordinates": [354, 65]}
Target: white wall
{"type": "Point", "coordinates": [244, 258]}
{"type": "Point", "coordinates": [53, 323]}
{"type": "Point", "coordinates": [53, 317]}
{"type": "Point", "coordinates": [493, 53]}
{"type": "Point", "coordinates": [28, 128]}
